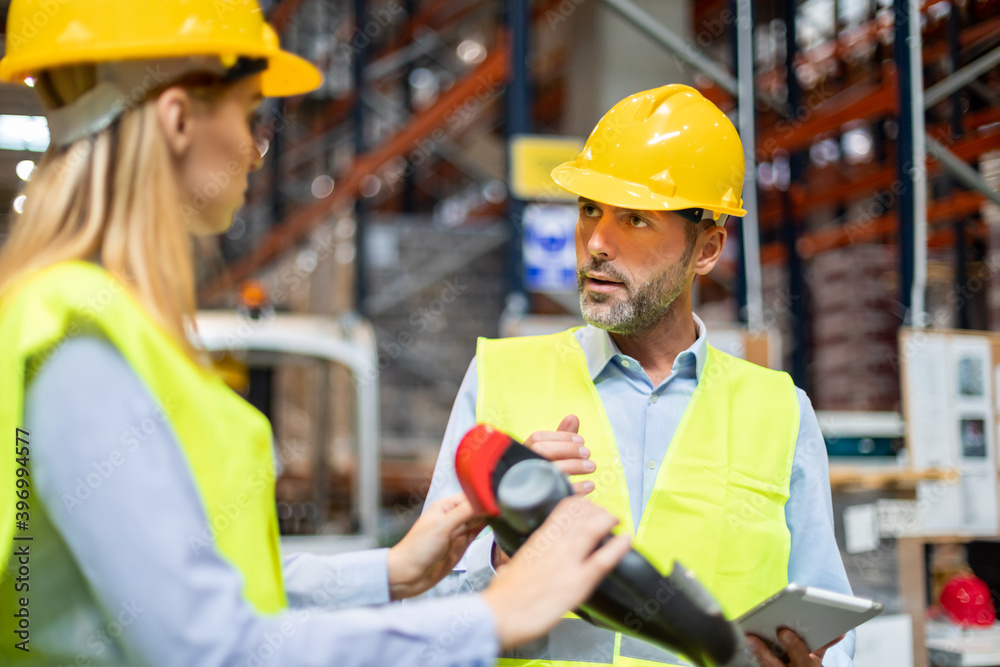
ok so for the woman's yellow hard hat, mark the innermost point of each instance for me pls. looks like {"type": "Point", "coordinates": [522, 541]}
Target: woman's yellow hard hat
{"type": "Point", "coordinates": [44, 34]}
{"type": "Point", "coordinates": [664, 149]}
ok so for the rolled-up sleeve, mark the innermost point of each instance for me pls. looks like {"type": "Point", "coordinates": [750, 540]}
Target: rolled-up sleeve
{"type": "Point", "coordinates": [130, 542]}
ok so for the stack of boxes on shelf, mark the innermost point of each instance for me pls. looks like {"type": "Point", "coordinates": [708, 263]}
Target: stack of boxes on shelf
{"type": "Point", "coordinates": [855, 318]}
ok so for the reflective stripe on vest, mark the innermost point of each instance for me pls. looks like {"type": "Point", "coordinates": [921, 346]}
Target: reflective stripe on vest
{"type": "Point", "coordinates": [577, 641]}
{"type": "Point", "coordinates": [226, 442]}
{"type": "Point", "coordinates": [722, 485]}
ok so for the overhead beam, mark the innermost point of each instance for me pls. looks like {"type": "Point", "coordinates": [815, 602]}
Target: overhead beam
{"type": "Point", "coordinates": [957, 167]}
{"type": "Point", "coordinates": [747, 116]}
{"type": "Point", "coordinates": [860, 101]}
{"type": "Point", "coordinates": [961, 78]}
{"type": "Point", "coordinates": [969, 37]}
{"type": "Point", "coordinates": [939, 212]}
{"type": "Point", "coordinates": [871, 178]}
{"type": "Point", "coordinates": [647, 24]}
{"type": "Point", "coordinates": [491, 73]}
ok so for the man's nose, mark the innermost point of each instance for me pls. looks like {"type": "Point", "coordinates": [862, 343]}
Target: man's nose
{"type": "Point", "coordinates": [602, 242]}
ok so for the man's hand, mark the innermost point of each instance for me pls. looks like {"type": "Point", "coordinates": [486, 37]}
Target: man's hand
{"type": "Point", "coordinates": [795, 650]}
{"type": "Point", "coordinates": [432, 547]}
{"type": "Point", "coordinates": [564, 447]}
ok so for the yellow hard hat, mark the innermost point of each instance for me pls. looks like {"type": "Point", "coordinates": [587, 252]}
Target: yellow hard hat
{"type": "Point", "coordinates": [44, 34]}
{"type": "Point", "coordinates": [664, 149]}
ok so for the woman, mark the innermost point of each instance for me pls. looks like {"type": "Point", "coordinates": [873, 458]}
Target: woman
{"type": "Point", "coordinates": [147, 534]}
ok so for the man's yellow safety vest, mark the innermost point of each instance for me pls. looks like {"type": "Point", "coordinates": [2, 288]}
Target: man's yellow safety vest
{"type": "Point", "coordinates": [227, 443]}
{"type": "Point", "coordinates": [718, 502]}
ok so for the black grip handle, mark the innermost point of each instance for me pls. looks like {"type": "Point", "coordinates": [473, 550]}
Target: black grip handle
{"type": "Point", "coordinates": [674, 612]}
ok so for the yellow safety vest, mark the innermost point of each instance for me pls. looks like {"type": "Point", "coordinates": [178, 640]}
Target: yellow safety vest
{"type": "Point", "coordinates": [227, 443]}
{"type": "Point", "coordinates": [718, 502]}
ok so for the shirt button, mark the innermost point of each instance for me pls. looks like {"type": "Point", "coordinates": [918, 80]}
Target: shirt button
{"type": "Point", "coordinates": [625, 363]}
{"type": "Point", "coordinates": [652, 464]}
{"type": "Point", "coordinates": [653, 398]}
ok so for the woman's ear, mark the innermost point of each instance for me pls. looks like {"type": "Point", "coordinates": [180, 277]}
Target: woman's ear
{"type": "Point", "coordinates": [175, 111]}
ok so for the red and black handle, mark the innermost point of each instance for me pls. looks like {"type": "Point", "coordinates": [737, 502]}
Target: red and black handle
{"type": "Point", "coordinates": [517, 489]}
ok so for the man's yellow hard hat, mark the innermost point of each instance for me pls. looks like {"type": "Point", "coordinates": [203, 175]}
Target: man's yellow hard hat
{"type": "Point", "coordinates": [44, 34]}
{"type": "Point", "coordinates": [663, 149]}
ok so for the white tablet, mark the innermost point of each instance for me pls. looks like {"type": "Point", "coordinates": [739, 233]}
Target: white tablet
{"type": "Point", "coordinates": [816, 615]}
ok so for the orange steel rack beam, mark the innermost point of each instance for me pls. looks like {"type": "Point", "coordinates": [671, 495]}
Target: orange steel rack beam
{"type": "Point", "coordinates": [490, 73]}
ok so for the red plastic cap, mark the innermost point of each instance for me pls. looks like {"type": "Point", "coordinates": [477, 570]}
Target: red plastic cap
{"type": "Point", "coordinates": [967, 601]}
{"type": "Point", "coordinates": [475, 460]}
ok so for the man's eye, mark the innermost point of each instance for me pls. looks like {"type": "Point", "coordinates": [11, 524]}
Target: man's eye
{"type": "Point", "coordinates": [588, 211]}
{"type": "Point", "coordinates": [636, 221]}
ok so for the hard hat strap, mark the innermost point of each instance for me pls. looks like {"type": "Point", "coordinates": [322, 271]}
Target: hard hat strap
{"type": "Point", "coordinates": [245, 67]}
{"type": "Point", "coordinates": [90, 113]}
{"type": "Point", "coordinates": [696, 215]}
{"type": "Point", "coordinates": [122, 86]}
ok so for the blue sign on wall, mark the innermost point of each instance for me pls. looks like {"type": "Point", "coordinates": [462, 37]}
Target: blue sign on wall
{"type": "Point", "coordinates": [549, 247]}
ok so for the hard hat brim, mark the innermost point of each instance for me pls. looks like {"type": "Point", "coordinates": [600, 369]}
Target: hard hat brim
{"type": "Point", "coordinates": [288, 74]}
{"type": "Point", "coordinates": [606, 189]}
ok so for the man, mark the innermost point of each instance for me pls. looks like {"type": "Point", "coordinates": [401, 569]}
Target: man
{"type": "Point", "coordinates": [707, 459]}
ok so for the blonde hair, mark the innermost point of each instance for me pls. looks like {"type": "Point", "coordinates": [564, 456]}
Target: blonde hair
{"type": "Point", "coordinates": [113, 198]}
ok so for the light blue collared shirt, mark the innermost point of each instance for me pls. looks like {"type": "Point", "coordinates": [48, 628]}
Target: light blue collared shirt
{"type": "Point", "coordinates": [121, 574]}
{"type": "Point", "coordinates": [644, 418]}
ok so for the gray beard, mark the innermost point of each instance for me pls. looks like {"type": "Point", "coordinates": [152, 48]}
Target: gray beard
{"type": "Point", "coordinates": [642, 308]}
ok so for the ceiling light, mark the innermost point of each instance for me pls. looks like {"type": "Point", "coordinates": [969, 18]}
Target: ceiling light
{"type": "Point", "coordinates": [471, 51]}
{"type": "Point", "coordinates": [322, 186]}
{"type": "Point", "coordinates": [24, 169]}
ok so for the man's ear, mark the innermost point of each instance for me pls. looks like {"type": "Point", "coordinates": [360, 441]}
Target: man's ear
{"type": "Point", "coordinates": [175, 111]}
{"type": "Point", "coordinates": [709, 249]}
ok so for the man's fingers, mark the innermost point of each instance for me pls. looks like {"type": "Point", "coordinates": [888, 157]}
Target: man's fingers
{"type": "Point", "coordinates": [569, 423]}
{"type": "Point", "coordinates": [576, 467]}
{"type": "Point", "coordinates": [583, 488]}
{"type": "Point", "coordinates": [763, 654]}
{"type": "Point", "coordinates": [797, 650]}
{"type": "Point", "coordinates": [539, 437]}
{"type": "Point", "coordinates": [555, 450]}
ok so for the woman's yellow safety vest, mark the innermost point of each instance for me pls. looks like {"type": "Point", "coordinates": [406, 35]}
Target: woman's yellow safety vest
{"type": "Point", "coordinates": [227, 443]}
{"type": "Point", "coordinates": [718, 502]}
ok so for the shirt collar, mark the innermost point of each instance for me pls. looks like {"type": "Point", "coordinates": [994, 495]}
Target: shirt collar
{"type": "Point", "coordinates": [599, 348]}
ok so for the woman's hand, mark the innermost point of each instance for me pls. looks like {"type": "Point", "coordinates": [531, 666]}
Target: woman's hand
{"type": "Point", "coordinates": [555, 571]}
{"type": "Point", "coordinates": [432, 547]}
